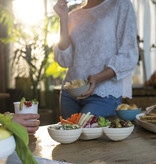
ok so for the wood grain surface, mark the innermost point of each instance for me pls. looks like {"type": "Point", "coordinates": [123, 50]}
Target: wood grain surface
{"type": "Point", "coordinates": [138, 148]}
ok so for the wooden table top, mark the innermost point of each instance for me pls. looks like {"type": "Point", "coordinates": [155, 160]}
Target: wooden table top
{"type": "Point", "coordinates": [138, 148]}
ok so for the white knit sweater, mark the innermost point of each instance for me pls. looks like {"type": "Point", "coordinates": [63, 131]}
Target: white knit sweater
{"type": "Point", "coordinates": [102, 36]}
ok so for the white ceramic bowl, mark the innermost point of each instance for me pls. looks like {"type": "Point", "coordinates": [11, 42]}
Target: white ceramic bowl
{"type": "Point", "coordinates": [91, 133]}
{"type": "Point", "coordinates": [64, 136]}
{"type": "Point", "coordinates": [7, 147]}
{"type": "Point", "coordinates": [77, 92]}
{"type": "Point", "coordinates": [146, 125]}
{"type": "Point", "coordinates": [117, 134]}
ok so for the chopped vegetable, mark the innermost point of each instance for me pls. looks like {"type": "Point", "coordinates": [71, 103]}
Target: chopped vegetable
{"type": "Point", "coordinates": [74, 119]}
{"type": "Point", "coordinates": [63, 121]}
{"type": "Point", "coordinates": [65, 127]}
{"type": "Point", "coordinates": [27, 103]}
{"type": "Point", "coordinates": [21, 103]}
{"type": "Point", "coordinates": [83, 115]}
{"type": "Point", "coordinates": [103, 122]}
{"type": "Point", "coordinates": [84, 118]}
{"type": "Point", "coordinates": [88, 120]}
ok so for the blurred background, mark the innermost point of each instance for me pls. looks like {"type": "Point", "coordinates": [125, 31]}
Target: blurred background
{"type": "Point", "coordinates": [28, 31]}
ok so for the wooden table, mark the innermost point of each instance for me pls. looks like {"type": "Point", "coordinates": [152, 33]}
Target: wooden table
{"type": "Point", "coordinates": [138, 148]}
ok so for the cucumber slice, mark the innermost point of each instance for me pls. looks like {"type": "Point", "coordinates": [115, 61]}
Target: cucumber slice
{"type": "Point", "coordinates": [21, 103]}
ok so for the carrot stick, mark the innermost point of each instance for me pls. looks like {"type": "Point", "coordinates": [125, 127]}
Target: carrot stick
{"type": "Point", "coordinates": [68, 119]}
{"type": "Point", "coordinates": [77, 119]}
{"type": "Point", "coordinates": [66, 122]}
{"type": "Point", "coordinates": [74, 117]}
{"type": "Point", "coordinates": [61, 119]}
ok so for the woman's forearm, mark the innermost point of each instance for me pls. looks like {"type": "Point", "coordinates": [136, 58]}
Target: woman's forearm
{"type": "Point", "coordinates": [104, 75]}
{"type": "Point", "coordinates": [64, 34]}
{"type": "Point", "coordinates": [62, 10]}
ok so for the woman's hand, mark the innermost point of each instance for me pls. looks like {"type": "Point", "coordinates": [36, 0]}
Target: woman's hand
{"type": "Point", "coordinates": [102, 76]}
{"type": "Point", "coordinates": [24, 120]}
{"type": "Point", "coordinates": [61, 8]}
{"type": "Point", "coordinates": [92, 81]}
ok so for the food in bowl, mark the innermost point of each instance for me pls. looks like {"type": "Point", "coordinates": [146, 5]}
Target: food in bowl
{"type": "Point", "coordinates": [117, 134]}
{"type": "Point", "coordinates": [117, 123]}
{"type": "Point", "coordinates": [91, 124]}
{"type": "Point", "coordinates": [65, 134]}
{"type": "Point", "coordinates": [127, 112]}
{"type": "Point", "coordinates": [7, 143]}
{"type": "Point", "coordinates": [88, 120]}
{"type": "Point", "coordinates": [65, 127]}
{"type": "Point", "coordinates": [149, 117]}
{"type": "Point", "coordinates": [77, 88]}
{"type": "Point", "coordinates": [75, 84]}
{"type": "Point", "coordinates": [146, 125]}
{"type": "Point", "coordinates": [118, 130]}
{"type": "Point", "coordinates": [127, 107]}
{"type": "Point", "coordinates": [103, 122]}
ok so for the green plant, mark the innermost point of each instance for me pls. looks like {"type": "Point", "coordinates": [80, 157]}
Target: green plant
{"type": "Point", "coordinates": [33, 57]}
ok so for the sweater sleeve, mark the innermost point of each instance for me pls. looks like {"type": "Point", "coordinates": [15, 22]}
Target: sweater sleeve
{"type": "Point", "coordinates": [63, 57]}
{"type": "Point", "coordinates": [126, 58]}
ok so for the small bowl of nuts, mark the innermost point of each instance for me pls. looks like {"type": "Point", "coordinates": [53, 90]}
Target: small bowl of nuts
{"type": "Point", "coordinates": [77, 87]}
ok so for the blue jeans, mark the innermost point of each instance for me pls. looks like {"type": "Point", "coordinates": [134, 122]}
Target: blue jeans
{"type": "Point", "coordinates": [101, 106]}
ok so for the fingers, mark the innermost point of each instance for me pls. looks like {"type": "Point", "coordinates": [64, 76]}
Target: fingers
{"type": "Point", "coordinates": [30, 134]}
{"type": "Point", "coordinates": [61, 8]}
{"type": "Point", "coordinates": [27, 123]}
{"type": "Point", "coordinates": [28, 116]}
{"type": "Point", "coordinates": [62, 2]}
{"type": "Point", "coordinates": [6, 113]}
{"type": "Point", "coordinates": [89, 92]}
{"type": "Point", "coordinates": [85, 95]}
{"type": "Point", "coordinates": [31, 130]}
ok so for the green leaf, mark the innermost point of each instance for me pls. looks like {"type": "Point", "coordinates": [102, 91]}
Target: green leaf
{"type": "Point", "coordinates": [21, 138]}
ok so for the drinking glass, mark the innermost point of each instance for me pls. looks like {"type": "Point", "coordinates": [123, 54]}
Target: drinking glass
{"type": "Point", "coordinates": [25, 110]}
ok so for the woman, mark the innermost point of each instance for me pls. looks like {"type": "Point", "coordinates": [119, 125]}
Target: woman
{"type": "Point", "coordinates": [97, 42]}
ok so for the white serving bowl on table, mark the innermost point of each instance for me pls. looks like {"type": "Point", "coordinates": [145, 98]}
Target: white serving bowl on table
{"type": "Point", "coordinates": [91, 133]}
{"type": "Point", "coordinates": [7, 147]}
{"type": "Point", "coordinates": [64, 136]}
{"type": "Point", "coordinates": [77, 92]}
{"type": "Point", "coordinates": [146, 125]}
{"type": "Point", "coordinates": [117, 134]}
